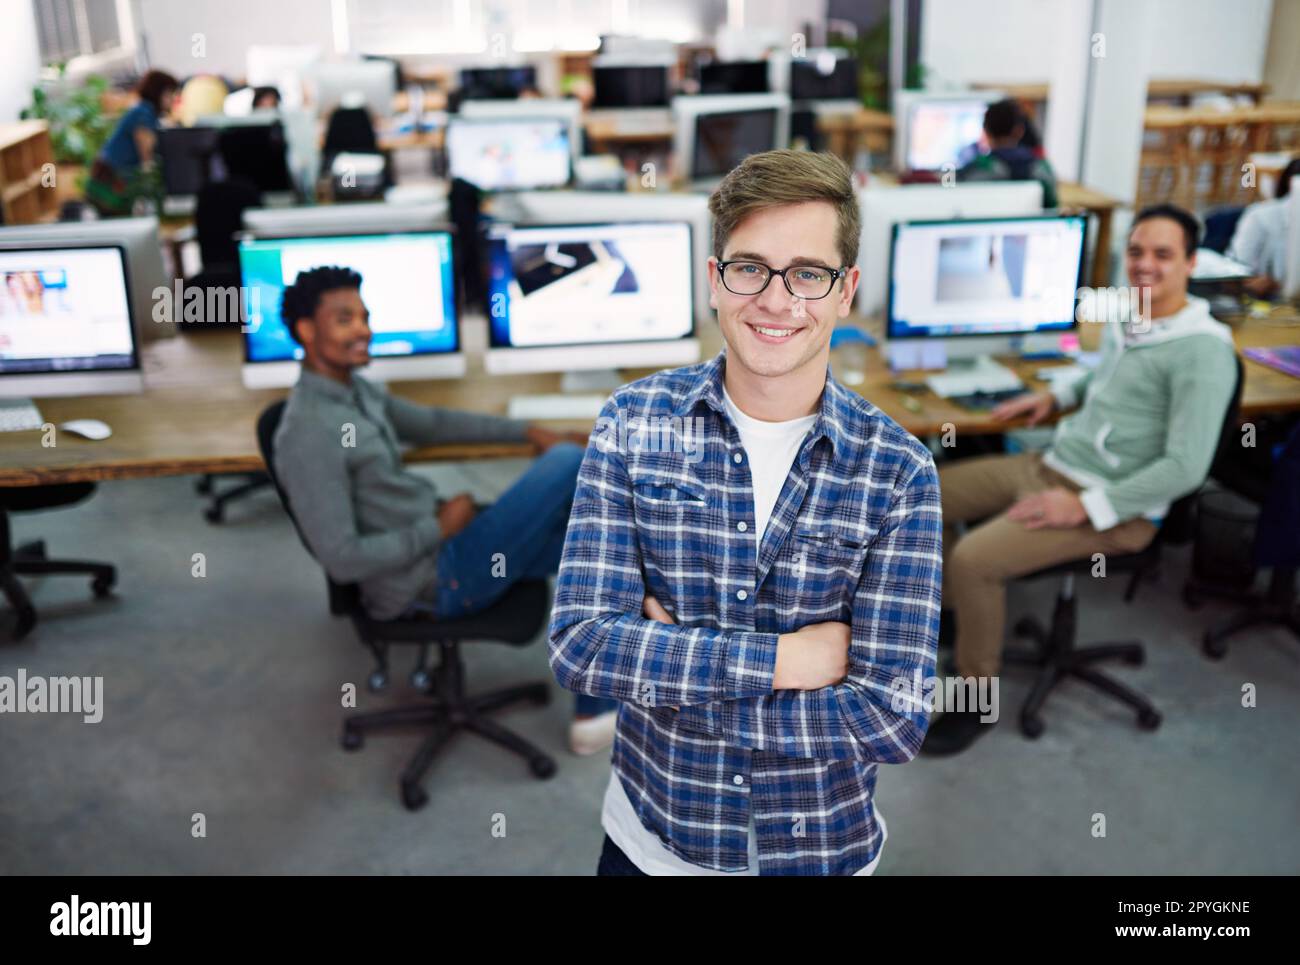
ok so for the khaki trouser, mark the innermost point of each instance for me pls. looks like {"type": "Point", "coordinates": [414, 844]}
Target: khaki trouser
{"type": "Point", "coordinates": [977, 566]}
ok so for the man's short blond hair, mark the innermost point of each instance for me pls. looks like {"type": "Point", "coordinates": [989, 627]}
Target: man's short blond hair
{"type": "Point", "coordinates": [776, 178]}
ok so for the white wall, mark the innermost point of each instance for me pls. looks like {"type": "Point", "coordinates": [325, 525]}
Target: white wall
{"type": "Point", "coordinates": [228, 27]}
{"type": "Point", "coordinates": [20, 61]}
{"type": "Point", "coordinates": [1017, 40]}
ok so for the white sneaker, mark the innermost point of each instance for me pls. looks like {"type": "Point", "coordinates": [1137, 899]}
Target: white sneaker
{"type": "Point", "coordinates": [590, 735]}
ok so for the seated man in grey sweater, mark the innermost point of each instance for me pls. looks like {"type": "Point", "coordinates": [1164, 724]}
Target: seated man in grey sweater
{"type": "Point", "coordinates": [369, 520]}
{"type": "Point", "coordinates": [1146, 430]}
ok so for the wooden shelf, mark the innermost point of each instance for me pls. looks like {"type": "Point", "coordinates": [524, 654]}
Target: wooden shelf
{"type": "Point", "coordinates": [25, 150]}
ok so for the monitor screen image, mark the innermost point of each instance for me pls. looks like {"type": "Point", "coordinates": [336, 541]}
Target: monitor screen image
{"type": "Point", "coordinates": [945, 132]}
{"type": "Point", "coordinates": [65, 309]}
{"type": "Point", "coordinates": [630, 86]}
{"type": "Point", "coordinates": [406, 284]}
{"type": "Point", "coordinates": [724, 139]}
{"type": "Point", "coordinates": [500, 155]}
{"type": "Point", "coordinates": [590, 284]}
{"type": "Point", "coordinates": [734, 77]}
{"type": "Point", "coordinates": [824, 77]}
{"type": "Point", "coordinates": [496, 83]}
{"type": "Point", "coordinates": [990, 277]}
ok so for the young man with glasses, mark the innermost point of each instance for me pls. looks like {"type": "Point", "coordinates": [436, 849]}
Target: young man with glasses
{"type": "Point", "coordinates": [755, 583]}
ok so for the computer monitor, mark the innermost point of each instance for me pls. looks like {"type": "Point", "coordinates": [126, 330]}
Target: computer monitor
{"type": "Point", "coordinates": [254, 149]}
{"type": "Point", "coordinates": [824, 75]}
{"type": "Point", "coordinates": [734, 77]}
{"type": "Point", "coordinates": [510, 154]}
{"type": "Point", "coordinates": [630, 86]}
{"type": "Point", "coordinates": [407, 285]}
{"type": "Point", "coordinates": [280, 66]}
{"type": "Point", "coordinates": [610, 207]}
{"type": "Point", "coordinates": [138, 237]}
{"type": "Point", "coordinates": [593, 296]}
{"type": "Point", "coordinates": [884, 207]}
{"type": "Point", "coordinates": [980, 283]}
{"type": "Point", "coordinates": [372, 82]}
{"type": "Point", "coordinates": [565, 109]}
{"type": "Point", "coordinates": [496, 83]}
{"type": "Point", "coordinates": [66, 324]}
{"type": "Point", "coordinates": [933, 129]}
{"type": "Point", "coordinates": [713, 134]}
{"type": "Point", "coordinates": [359, 218]}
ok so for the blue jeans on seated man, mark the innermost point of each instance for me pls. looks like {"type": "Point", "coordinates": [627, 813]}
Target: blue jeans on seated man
{"type": "Point", "coordinates": [519, 537]}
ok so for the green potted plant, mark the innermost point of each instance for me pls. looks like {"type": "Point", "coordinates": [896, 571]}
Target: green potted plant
{"type": "Point", "coordinates": [78, 123]}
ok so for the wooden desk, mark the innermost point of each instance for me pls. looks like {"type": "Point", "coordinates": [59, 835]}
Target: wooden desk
{"type": "Point", "coordinates": [197, 417]}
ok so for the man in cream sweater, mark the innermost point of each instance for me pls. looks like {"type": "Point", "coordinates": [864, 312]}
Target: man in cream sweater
{"type": "Point", "coordinates": [1145, 433]}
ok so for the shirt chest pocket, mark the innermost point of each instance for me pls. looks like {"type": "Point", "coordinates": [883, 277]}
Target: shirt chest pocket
{"type": "Point", "coordinates": [820, 569]}
{"type": "Point", "coordinates": [672, 515]}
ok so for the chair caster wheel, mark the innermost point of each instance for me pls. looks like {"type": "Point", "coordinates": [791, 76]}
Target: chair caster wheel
{"type": "Point", "coordinates": [1135, 659]}
{"type": "Point", "coordinates": [1024, 627]}
{"type": "Point", "coordinates": [203, 486]}
{"type": "Point", "coordinates": [421, 680]}
{"type": "Point", "coordinates": [1031, 727]}
{"type": "Point", "coordinates": [413, 797]}
{"type": "Point", "coordinates": [102, 586]}
{"type": "Point", "coordinates": [214, 514]}
{"type": "Point", "coordinates": [542, 767]}
{"type": "Point", "coordinates": [352, 739]}
{"type": "Point", "coordinates": [1149, 719]}
{"type": "Point", "coordinates": [377, 681]}
{"type": "Point", "coordinates": [1214, 648]}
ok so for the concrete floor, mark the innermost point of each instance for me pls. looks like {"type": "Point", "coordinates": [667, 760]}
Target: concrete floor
{"type": "Point", "coordinates": [222, 698]}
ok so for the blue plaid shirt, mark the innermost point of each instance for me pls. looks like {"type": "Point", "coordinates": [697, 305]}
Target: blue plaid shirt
{"type": "Point", "coordinates": [665, 506]}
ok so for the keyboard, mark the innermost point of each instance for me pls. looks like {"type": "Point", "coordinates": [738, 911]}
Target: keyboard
{"type": "Point", "coordinates": [984, 376]}
{"type": "Point", "coordinates": [19, 415]}
{"type": "Point", "coordinates": [983, 401]}
{"type": "Point", "coordinates": [557, 407]}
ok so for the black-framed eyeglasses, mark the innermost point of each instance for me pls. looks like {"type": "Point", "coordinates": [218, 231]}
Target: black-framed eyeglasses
{"type": "Point", "coordinates": [809, 282]}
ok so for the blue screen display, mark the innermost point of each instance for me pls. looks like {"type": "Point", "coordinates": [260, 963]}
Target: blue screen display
{"type": "Point", "coordinates": [407, 284]}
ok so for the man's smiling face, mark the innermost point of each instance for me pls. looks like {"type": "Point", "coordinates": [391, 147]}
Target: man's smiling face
{"type": "Point", "coordinates": [773, 333]}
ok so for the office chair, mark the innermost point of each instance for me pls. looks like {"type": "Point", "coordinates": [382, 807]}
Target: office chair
{"type": "Point", "coordinates": [515, 619]}
{"type": "Point", "coordinates": [1056, 655]}
{"type": "Point", "coordinates": [218, 219]}
{"type": "Point", "coordinates": [352, 131]}
{"type": "Point", "coordinates": [1277, 606]}
{"type": "Point", "coordinates": [29, 559]}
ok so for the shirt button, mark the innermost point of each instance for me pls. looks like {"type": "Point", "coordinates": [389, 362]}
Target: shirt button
{"type": "Point", "coordinates": [742, 526]}
{"type": "Point", "coordinates": [742, 595]}
{"type": "Point", "coordinates": [738, 780]}
{"type": "Point", "coordinates": [737, 457]}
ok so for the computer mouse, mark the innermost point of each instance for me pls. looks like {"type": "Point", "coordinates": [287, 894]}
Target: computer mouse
{"type": "Point", "coordinates": [87, 428]}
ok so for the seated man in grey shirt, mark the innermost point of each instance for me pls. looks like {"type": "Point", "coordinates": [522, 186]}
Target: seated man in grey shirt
{"type": "Point", "coordinates": [371, 521]}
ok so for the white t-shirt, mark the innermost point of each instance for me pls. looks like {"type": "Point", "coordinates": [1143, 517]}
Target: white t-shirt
{"type": "Point", "coordinates": [1260, 238]}
{"type": "Point", "coordinates": [771, 448]}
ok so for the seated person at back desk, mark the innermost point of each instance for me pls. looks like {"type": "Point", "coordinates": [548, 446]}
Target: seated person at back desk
{"type": "Point", "coordinates": [1261, 237]}
{"type": "Point", "coordinates": [1144, 435]}
{"type": "Point", "coordinates": [1008, 158]}
{"type": "Point", "coordinates": [369, 520]}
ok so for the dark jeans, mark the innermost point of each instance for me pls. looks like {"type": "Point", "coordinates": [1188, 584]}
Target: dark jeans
{"type": "Point", "coordinates": [614, 862]}
{"type": "Point", "coordinates": [519, 537]}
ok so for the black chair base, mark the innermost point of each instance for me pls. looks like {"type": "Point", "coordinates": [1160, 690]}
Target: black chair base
{"type": "Point", "coordinates": [1276, 608]}
{"type": "Point", "coordinates": [448, 711]}
{"type": "Point", "coordinates": [216, 511]}
{"type": "Point", "coordinates": [1056, 657]}
{"type": "Point", "coordinates": [30, 559]}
